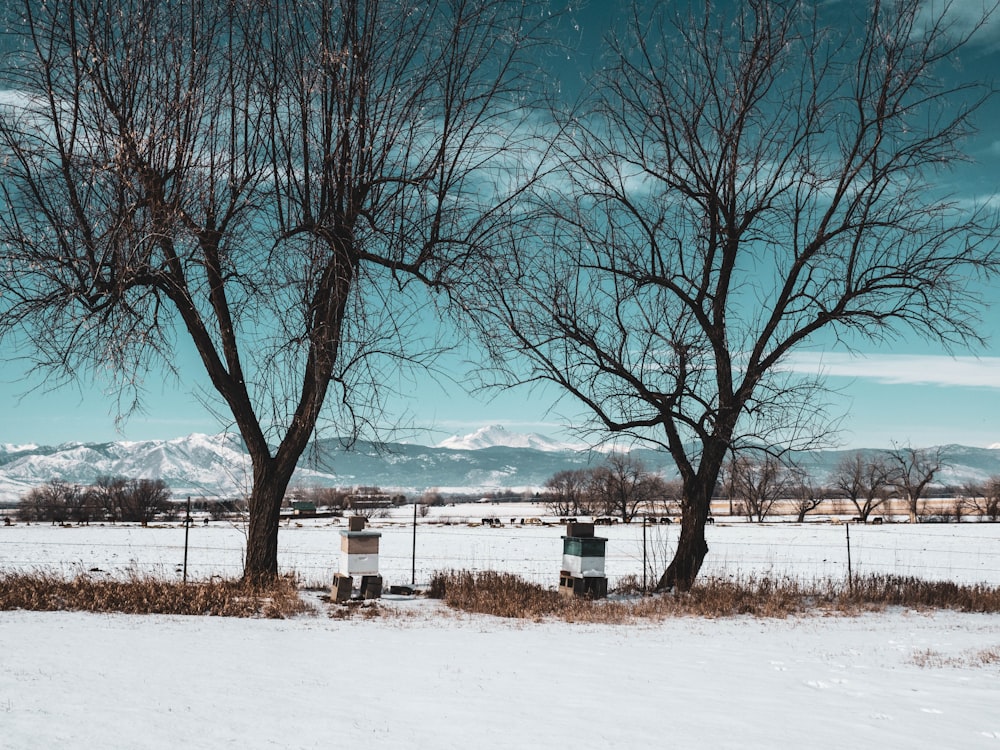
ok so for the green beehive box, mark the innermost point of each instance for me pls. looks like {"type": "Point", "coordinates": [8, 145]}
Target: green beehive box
{"type": "Point", "coordinates": [584, 546]}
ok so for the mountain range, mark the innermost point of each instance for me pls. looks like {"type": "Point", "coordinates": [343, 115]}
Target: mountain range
{"type": "Point", "coordinates": [488, 460]}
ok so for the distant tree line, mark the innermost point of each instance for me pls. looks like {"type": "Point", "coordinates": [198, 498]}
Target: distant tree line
{"type": "Point", "coordinates": [756, 483]}
{"type": "Point", "coordinates": [622, 487]}
{"type": "Point", "coordinates": [109, 498]}
{"type": "Point", "coordinates": [868, 481]}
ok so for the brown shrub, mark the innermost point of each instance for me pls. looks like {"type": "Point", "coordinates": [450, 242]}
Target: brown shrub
{"type": "Point", "coordinates": [494, 593]}
{"type": "Point", "coordinates": [146, 595]}
{"type": "Point", "coordinates": [506, 595]}
{"type": "Point", "coordinates": [919, 594]}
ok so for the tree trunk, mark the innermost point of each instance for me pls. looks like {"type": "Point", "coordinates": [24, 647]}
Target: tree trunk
{"type": "Point", "coordinates": [269, 485]}
{"type": "Point", "coordinates": [691, 546]}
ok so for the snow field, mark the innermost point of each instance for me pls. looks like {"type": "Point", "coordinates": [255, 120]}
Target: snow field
{"type": "Point", "coordinates": [310, 548]}
{"type": "Point", "coordinates": [442, 681]}
{"type": "Point", "coordinates": [420, 676]}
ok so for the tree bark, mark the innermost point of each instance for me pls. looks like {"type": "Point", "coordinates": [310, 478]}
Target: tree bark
{"type": "Point", "coordinates": [269, 485]}
{"type": "Point", "coordinates": [691, 545]}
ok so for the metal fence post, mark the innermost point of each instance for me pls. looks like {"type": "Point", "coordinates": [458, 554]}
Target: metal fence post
{"type": "Point", "coordinates": [187, 530]}
{"type": "Point", "coordinates": [850, 574]}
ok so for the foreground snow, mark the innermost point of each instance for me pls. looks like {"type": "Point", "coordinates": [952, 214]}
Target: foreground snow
{"type": "Point", "coordinates": [420, 676]}
{"type": "Point", "coordinates": [431, 679]}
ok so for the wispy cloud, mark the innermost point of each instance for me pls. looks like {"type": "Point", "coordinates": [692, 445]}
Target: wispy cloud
{"type": "Point", "coordinates": [964, 16]}
{"type": "Point", "coordinates": [901, 369]}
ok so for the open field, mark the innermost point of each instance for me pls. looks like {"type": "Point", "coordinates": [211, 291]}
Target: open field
{"type": "Point", "coordinates": [418, 675]}
{"type": "Point", "coordinates": [451, 538]}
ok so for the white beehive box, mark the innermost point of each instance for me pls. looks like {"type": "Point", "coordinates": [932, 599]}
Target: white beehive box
{"type": "Point", "coordinates": [359, 553]}
{"type": "Point", "coordinates": [584, 567]}
{"type": "Point", "coordinates": [584, 556]}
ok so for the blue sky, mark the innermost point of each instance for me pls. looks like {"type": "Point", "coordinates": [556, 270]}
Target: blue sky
{"type": "Point", "coordinates": [905, 392]}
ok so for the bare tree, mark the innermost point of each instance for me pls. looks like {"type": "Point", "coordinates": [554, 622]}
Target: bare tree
{"type": "Point", "coordinates": [79, 507]}
{"type": "Point", "coordinates": [431, 498]}
{"type": "Point", "coordinates": [56, 501]}
{"type": "Point", "coordinates": [277, 182]}
{"type": "Point", "coordinates": [565, 491]}
{"type": "Point", "coordinates": [960, 505]}
{"type": "Point", "coordinates": [913, 469]}
{"type": "Point", "coordinates": [114, 498]}
{"type": "Point", "coordinates": [805, 495]}
{"type": "Point", "coordinates": [865, 481]}
{"type": "Point", "coordinates": [991, 506]}
{"type": "Point", "coordinates": [31, 506]}
{"type": "Point", "coordinates": [143, 499]}
{"type": "Point", "coordinates": [624, 487]}
{"type": "Point", "coordinates": [743, 178]}
{"type": "Point", "coordinates": [673, 492]}
{"type": "Point", "coordinates": [756, 484]}
{"type": "Point", "coordinates": [106, 496]}
{"type": "Point", "coordinates": [984, 499]}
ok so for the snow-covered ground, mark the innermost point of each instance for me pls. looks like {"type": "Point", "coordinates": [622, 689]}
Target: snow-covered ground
{"type": "Point", "coordinates": [437, 680]}
{"type": "Point", "coordinates": [420, 676]}
{"type": "Point", "coordinates": [452, 538]}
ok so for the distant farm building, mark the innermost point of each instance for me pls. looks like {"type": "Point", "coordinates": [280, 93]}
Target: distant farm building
{"type": "Point", "coordinates": [372, 498]}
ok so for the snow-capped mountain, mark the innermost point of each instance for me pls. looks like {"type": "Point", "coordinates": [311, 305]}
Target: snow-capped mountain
{"type": "Point", "coordinates": [196, 464]}
{"type": "Point", "coordinates": [218, 466]}
{"type": "Point", "coordinates": [497, 436]}
{"type": "Point", "coordinates": [489, 459]}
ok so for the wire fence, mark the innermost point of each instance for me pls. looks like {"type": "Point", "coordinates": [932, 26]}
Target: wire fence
{"type": "Point", "coordinates": [962, 553]}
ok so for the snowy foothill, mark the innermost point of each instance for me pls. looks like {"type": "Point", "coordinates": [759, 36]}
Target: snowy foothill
{"type": "Point", "coordinates": [421, 676]}
{"type": "Point", "coordinates": [491, 460]}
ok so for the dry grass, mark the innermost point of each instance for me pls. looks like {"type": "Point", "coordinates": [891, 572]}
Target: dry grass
{"type": "Point", "coordinates": [931, 659]}
{"type": "Point", "coordinates": [506, 595]}
{"type": "Point", "coordinates": [917, 594]}
{"type": "Point", "coordinates": [495, 593]}
{"type": "Point", "coordinates": [368, 610]}
{"type": "Point", "coordinates": [146, 595]}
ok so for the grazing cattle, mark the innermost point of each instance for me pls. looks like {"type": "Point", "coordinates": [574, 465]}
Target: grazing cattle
{"type": "Point", "coordinates": [877, 520]}
{"type": "Point", "coordinates": [710, 520]}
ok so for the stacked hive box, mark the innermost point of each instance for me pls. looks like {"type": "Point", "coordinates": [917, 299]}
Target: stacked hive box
{"type": "Point", "coordinates": [358, 557]}
{"type": "Point", "coordinates": [582, 571]}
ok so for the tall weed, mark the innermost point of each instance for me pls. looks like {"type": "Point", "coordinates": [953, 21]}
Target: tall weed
{"type": "Point", "coordinates": [147, 595]}
{"type": "Point", "coordinates": [507, 595]}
